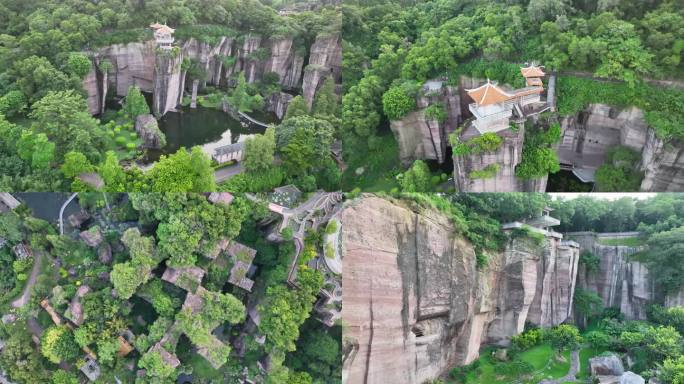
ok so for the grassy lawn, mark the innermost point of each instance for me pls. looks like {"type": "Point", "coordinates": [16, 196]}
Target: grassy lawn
{"type": "Point", "coordinates": [541, 357]}
{"type": "Point", "coordinates": [627, 241]}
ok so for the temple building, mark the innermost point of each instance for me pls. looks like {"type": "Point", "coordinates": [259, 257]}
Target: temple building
{"type": "Point", "coordinates": [163, 35]}
{"type": "Point", "coordinates": [541, 224]}
{"type": "Point", "coordinates": [494, 105]}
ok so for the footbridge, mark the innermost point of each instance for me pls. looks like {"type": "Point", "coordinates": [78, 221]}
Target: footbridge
{"type": "Point", "coordinates": [252, 120]}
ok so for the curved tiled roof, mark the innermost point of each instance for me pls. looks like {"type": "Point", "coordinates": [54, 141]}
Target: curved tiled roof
{"type": "Point", "coordinates": [488, 94]}
{"type": "Point", "coordinates": [532, 71]}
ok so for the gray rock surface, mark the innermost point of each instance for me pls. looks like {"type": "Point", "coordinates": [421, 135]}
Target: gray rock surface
{"type": "Point", "coordinates": [167, 82]}
{"type": "Point", "coordinates": [606, 366]}
{"type": "Point", "coordinates": [133, 64]}
{"type": "Point", "coordinates": [416, 304]}
{"type": "Point", "coordinates": [420, 137]}
{"type": "Point", "coordinates": [95, 85]}
{"type": "Point", "coordinates": [325, 59]}
{"type": "Point", "coordinates": [139, 64]}
{"type": "Point", "coordinates": [277, 103]}
{"type": "Point", "coordinates": [589, 134]}
{"type": "Point", "coordinates": [621, 283]}
{"type": "Point", "coordinates": [147, 128]}
{"type": "Point", "coordinates": [92, 236]}
{"type": "Point", "coordinates": [631, 378]}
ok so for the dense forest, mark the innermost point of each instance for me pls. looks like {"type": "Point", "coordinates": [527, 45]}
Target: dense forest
{"type": "Point", "coordinates": [49, 138]}
{"type": "Point", "coordinates": [400, 45]}
{"type": "Point", "coordinates": [122, 289]}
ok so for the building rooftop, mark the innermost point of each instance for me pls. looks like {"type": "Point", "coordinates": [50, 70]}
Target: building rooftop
{"type": "Point", "coordinates": [188, 278]}
{"type": "Point", "coordinates": [162, 28]}
{"type": "Point", "coordinates": [238, 276]}
{"type": "Point", "coordinates": [91, 369]}
{"type": "Point", "coordinates": [489, 93]}
{"type": "Point", "coordinates": [7, 202]}
{"type": "Point", "coordinates": [534, 82]}
{"type": "Point", "coordinates": [532, 71]}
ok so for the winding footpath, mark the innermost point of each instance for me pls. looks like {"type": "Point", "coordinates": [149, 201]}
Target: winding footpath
{"type": "Point", "coordinates": [26, 294]}
{"type": "Point", "coordinates": [572, 373]}
{"type": "Point", "coordinates": [61, 212]}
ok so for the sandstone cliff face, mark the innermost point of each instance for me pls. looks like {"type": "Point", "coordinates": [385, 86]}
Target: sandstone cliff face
{"type": "Point", "coordinates": [95, 85]}
{"type": "Point", "coordinates": [138, 63]}
{"type": "Point", "coordinates": [415, 302]}
{"type": "Point", "coordinates": [588, 135]}
{"type": "Point", "coordinates": [167, 83]}
{"type": "Point", "coordinates": [420, 137]}
{"type": "Point", "coordinates": [325, 59]}
{"type": "Point", "coordinates": [278, 102]}
{"type": "Point", "coordinates": [507, 157]}
{"type": "Point", "coordinates": [621, 283]}
{"type": "Point", "coordinates": [133, 64]}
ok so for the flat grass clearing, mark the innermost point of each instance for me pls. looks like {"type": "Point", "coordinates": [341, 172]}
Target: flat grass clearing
{"type": "Point", "coordinates": [626, 241]}
{"type": "Point", "coordinates": [541, 357]}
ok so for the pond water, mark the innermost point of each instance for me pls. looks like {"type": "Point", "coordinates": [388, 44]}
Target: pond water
{"type": "Point", "coordinates": [46, 205]}
{"type": "Point", "coordinates": [207, 127]}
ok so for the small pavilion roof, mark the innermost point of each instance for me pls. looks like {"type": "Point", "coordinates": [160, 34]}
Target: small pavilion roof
{"type": "Point", "coordinates": [534, 82]}
{"type": "Point", "coordinates": [488, 94]}
{"type": "Point", "coordinates": [532, 71]}
{"type": "Point", "coordinates": [162, 28]}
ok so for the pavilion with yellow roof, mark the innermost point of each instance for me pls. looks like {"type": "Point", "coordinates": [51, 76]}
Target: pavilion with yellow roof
{"type": "Point", "coordinates": [494, 105]}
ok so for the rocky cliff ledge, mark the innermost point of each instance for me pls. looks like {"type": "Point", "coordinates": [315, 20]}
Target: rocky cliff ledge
{"type": "Point", "coordinates": [588, 135]}
{"type": "Point", "coordinates": [620, 282]}
{"type": "Point", "coordinates": [416, 304]}
{"type": "Point", "coordinates": [506, 158]}
{"type": "Point", "coordinates": [325, 59]}
{"type": "Point", "coordinates": [138, 64]}
{"type": "Point", "coordinates": [423, 137]}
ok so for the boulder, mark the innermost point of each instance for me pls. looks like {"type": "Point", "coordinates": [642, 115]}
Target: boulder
{"type": "Point", "coordinates": [76, 219]}
{"type": "Point", "coordinates": [610, 365]}
{"type": "Point", "coordinates": [631, 378]}
{"type": "Point", "coordinates": [501, 354]}
{"type": "Point", "coordinates": [147, 128]}
{"type": "Point", "coordinates": [92, 236]}
{"type": "Point", "coordinates": [104, 253]}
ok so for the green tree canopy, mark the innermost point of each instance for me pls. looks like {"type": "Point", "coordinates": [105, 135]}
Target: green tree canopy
{"type": "Point", "coordinates": [57, 344]}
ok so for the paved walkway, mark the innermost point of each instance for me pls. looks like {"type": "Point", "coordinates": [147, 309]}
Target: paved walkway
{"type": "Point", "coordinates": [26, 295]}
{"type": "Point", "coordinates": [61, 212]}
{"type": "Point", "coordinates": [572, 373]}
{"type": "Point", "coordinates": [225, 173]}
